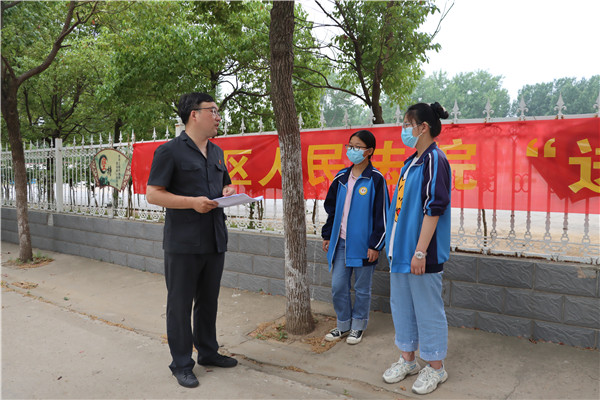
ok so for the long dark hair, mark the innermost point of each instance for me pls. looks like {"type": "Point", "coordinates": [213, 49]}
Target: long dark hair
{"type": "Point", "coordinates": [430, 113]}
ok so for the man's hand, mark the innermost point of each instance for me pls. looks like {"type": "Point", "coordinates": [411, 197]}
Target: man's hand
{"type": "Point", "coordinates": [228, 190]}
{"type": "Point", "coordinates": [203, 204]}
{"type": "Point", "coordinates": [161, 197]}
{"type": "Point", "coordinates": [325, 245]}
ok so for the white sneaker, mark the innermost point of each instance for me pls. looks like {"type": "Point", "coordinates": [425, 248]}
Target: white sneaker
{"type": "Point", "coordinates": [400, 369]}
{"type": "Point", "coordinates": [429, 379]}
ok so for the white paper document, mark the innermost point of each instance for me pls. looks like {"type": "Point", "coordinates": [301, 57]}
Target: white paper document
{"type": "Point", "coordinates": [236, 199]}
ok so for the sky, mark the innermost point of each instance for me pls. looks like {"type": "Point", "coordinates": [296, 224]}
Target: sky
{"type": "Point", "coordinates": [525, 41]}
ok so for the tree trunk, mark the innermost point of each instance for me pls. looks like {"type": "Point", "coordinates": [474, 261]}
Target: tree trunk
{"type": "Point", "coordinates": [376, 98]}
{"type": "Point", "coordinates": [10, 87]}
{"type": "Point", "coordinates": [379, 71]}
{"type": "Point", "coordinates": [117, 130]}
{"type": "Point", "coordinates": [298, 314]}
{"type": "Point", "coordinates": [11, 117]}
{"type": "Point", "coordinates": [377, 109]}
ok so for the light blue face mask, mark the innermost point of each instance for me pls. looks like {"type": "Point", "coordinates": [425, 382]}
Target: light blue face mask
{"type": "Point", "coordinates": [408, 139]}
{"type": "Point", "coordinates": [356, 156]}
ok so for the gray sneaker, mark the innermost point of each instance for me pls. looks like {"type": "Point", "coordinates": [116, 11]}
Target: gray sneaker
{"type": "Point", "coordinates": [429, 379]}
{"type": "Point", "coordinates": [400, 369]}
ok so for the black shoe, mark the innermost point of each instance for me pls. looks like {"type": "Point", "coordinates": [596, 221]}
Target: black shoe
{"type": "Point", "coordinates": [219, 360]}
{"type": "Point", "coordinates": [355, 336]}
{"type": "Point", "coordinates": [336, 334]}
{"type": "Point", "coordinates": [186, 378]}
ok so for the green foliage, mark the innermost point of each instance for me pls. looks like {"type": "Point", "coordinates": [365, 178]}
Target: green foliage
{"type": "Point", "coordinates": [146, 62]}
{"type": "Point", "coordinates": [281, 333]}
{"type": "Point", "coordinates": [125, 69]}
{"type": "Point", "coordinates": [336, 104]}
{"type": "Point", "coordinates": [60, 103]}
{"type": "Point", "coordinates": [380, 49]}
{"type": "Point", "coordinates": [216, 47]}
{"type": "Point", "coordinates": [390, 109]}
{"type": "Point", "coordinates": [541, 98]}
{"type": "Point", "coordinates": [307, 68]}
{"type": "Point", "coordinates": [38, 258]}
{"type": "Point", "coordinates": [50, 102]}
{"type": "Point", "coordinates": [470, 90]}
{"type": "Point", "coordinates": [28, 31]}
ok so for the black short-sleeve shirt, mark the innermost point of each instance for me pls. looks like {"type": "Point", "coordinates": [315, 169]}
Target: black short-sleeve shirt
{"type": "Point", "coordinates": [181, 168]}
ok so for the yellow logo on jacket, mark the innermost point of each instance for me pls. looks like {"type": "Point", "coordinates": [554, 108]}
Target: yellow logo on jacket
{"type": "Point", "coordinates": [399, 198]}
{"type": "Point", "coordinates": [362, 191]}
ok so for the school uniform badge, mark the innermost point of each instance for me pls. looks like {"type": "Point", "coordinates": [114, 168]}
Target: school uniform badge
{"type": "Point", "coordinates": [362, 191]}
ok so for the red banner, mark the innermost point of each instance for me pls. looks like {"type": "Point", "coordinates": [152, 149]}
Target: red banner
{"type": "Point", "coordinates": [550, 165]}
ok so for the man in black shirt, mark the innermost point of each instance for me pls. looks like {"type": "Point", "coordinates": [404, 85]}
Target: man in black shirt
{"type": "Point", "coordinates": [187, 173]}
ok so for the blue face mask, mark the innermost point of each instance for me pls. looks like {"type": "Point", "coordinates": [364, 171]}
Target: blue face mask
{"type": "Point", "coordinates": [356, 156]}
{"type": "Point", "coordinates": [408, 139]}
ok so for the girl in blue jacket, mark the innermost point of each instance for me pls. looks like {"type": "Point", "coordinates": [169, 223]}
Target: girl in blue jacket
{"type": "Point", "coordinates": [353, 235]}
{"type": "Point", "coordinates": [417, 245]}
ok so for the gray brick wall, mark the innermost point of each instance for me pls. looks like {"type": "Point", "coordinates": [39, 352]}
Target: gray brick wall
{"type": "Point", "coordinates": [579, 280]}
{"type": "Point", "coordinates": [509, 326]}
{"type": "Point", "coordinates": [538, 300]}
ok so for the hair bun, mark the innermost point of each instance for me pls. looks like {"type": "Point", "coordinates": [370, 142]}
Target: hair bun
{"type": "Point", "coordinates": [439, 110]}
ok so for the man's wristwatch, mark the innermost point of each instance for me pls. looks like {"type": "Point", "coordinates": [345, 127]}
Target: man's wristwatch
{"type": "Point", "coordinates": [420, 255]}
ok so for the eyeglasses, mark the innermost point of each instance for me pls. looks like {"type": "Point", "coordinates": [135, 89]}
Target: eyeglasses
{"type": "Point", "coordinates": [214, 111]}
{"type": "Point", "coordinates": [410, 124]}
{"type": "Point", "coordinates": [350, 147]}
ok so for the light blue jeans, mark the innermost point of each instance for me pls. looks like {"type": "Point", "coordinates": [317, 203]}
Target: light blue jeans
{"type": "Point", "coordinates": [418, 314]}
{"type": "Point", "coordinates": [349, 317]}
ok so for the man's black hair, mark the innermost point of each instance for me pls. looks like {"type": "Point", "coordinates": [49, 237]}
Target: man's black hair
{"type": "Point", "coordinates": [191, 101]}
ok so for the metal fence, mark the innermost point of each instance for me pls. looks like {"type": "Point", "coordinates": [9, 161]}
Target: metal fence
{"type": "Point", "coordinates": [60, 180]}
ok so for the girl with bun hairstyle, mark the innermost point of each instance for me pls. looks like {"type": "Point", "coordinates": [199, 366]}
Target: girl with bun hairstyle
{"type": "Point", "coordinates": [417, 245]}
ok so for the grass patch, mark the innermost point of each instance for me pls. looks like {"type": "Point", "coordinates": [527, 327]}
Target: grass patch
{"type": "Point", "coordinates": [39, 260]}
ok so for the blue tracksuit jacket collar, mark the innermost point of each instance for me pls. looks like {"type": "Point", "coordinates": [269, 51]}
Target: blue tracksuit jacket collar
{"type": "Point", "coordinates": [431, 147]}
{"type": "Point", "coordinates": [345, 173]}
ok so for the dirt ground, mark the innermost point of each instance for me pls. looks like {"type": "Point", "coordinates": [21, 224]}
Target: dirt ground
{"type": "Point", "coordinates": [315, 341]}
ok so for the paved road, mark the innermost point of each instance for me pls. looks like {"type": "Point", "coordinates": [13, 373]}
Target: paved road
{"type": "Point", "coordinates": [90, 329]}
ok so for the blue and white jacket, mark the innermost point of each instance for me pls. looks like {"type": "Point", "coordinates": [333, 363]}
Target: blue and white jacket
{"type": "Point", "coordinates": [425, 191]}
{"type": "Point", "coordinates": [366, 219]}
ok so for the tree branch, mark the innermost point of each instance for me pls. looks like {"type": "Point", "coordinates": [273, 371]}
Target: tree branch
{"type": "Point", "coordinates": [79, 88]}
{"type": "Point", "coordinates": [439, 25]}
{"type": "Point", "coordinates": [43, 104]}
{"type": "Point", "coordinates": [6, 5]}
{"type": "Point", "coordinates": [66, 30]}
{"type": "Point", "coordinates": [27, 109]}
{"type": "Point", "coordinates": [337, 23]}
{"type": "Point", "coordinates": [6, 67]}
{"type": "Point", "coordinates": [329, 86]}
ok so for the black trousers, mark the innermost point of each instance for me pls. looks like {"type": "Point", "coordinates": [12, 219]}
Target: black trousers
{"type": "Point", "coordinates": [192, 279]}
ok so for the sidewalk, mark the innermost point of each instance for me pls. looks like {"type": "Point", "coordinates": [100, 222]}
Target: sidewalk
{"type": "Point", "coordinates": [93, 330]}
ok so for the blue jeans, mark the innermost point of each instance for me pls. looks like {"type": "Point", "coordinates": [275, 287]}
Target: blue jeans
{"type": "Point", "coordinates": [418, 314]}
{"type": "Point", "coordinates": [349, 317]}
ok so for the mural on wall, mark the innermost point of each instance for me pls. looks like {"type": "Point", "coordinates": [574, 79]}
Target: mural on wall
{"type": "Point", "coordinates": [111, 168]}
